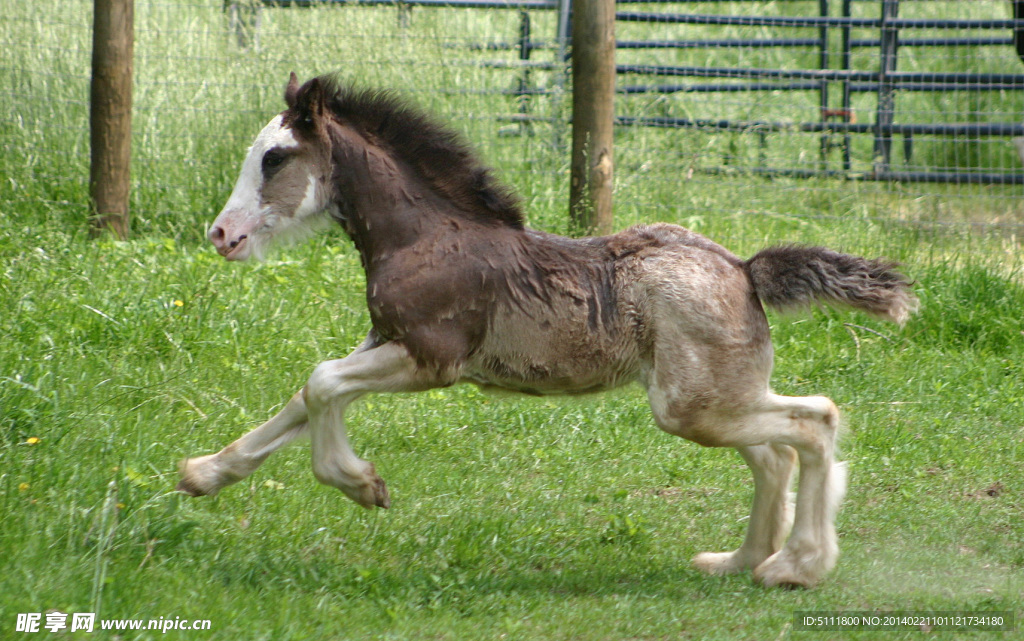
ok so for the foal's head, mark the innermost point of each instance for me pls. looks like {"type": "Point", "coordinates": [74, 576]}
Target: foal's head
{"type": "Point", "coordinates": [284, 186]}
{"type": "Point", "coordinates": [314, 158]}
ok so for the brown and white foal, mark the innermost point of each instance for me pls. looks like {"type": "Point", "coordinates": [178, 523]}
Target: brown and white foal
{"type": "Point", "coordinates": [460, 290]}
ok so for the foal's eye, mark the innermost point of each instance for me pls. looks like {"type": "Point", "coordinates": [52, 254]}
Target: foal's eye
{"type": "Point", "coordinates": [272, 160]}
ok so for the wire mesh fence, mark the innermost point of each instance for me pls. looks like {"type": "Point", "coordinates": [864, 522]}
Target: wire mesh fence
{"type": "Point", "coordinates": [795, 110]}
{"type": "Point", "coordinates": [899, 109]}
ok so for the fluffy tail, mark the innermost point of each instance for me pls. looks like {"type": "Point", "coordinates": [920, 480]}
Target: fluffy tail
{"type": "Point", "coordinates": [790, 276]}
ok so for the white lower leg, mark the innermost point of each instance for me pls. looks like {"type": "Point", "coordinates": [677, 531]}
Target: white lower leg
{"type": "Point", "coordinates": [206, 475]}
{"type": "Point", "coordinates": [332, 387]}
{"type": "Point", "coordinates": [336, 464]}
{"type": "Point", "coordinates": [770, 516]}
{"type": "Point", "coordinates": [812, 548]}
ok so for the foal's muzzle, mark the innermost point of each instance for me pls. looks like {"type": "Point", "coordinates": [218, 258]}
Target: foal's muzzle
{"type": "Point", "coordinates": [231, 234]}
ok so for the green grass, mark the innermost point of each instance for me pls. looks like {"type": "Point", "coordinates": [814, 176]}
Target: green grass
{"type": "Point", "coordinates": [514, 518]}
{"type": "Point", "coordinates": [533, 518]}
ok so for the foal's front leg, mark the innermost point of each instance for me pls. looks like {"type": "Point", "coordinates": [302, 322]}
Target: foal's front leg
{"type": "Point", "coordinates": [333, 386]}
{"type": "Point", "coordinates": [206, 475]}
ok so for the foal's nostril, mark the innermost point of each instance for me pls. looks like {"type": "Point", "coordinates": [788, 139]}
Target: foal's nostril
{"type": "Point", "coordinates": [217, 235]}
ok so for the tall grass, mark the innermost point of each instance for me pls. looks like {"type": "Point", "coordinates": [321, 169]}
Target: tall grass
{"type": "Point", "coordinates": [200, 97]}
{"type": "Point", "coordinates": [518, 519]}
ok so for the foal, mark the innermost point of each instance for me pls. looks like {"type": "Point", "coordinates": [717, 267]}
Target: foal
{"type": "Point", "coordinates": [460, 290]}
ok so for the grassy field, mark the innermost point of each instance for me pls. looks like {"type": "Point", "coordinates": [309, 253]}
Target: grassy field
{"type": "Point", "coordinates": [514, 518]}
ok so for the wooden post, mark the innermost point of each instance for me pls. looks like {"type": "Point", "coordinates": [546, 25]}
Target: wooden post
{"type": "Point", "coordinates": [593, 101]}
{"type": "Point", "coordinates": [110, 115]}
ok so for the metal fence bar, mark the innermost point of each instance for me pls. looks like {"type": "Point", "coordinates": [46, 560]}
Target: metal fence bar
{"type": "Point", "coordinates": [814, 21]}
{"type": "Point", "coordinates": [745, 21]}
{"type": "Point", "coordinates": [1016, 85]}
{"type": "Point", "coordinates": [844, 64]}
{"type": "Point", "coordinates": [717, 44]}
{"type": "Point", "coordinates": [667, 89]}
{"type": "Point", "coordinates": [719, 88]}
{"type": "Point", "coordinates": [884, 114]}
{"type": "Point", "coordinates": [1015, 80]}
{"type": "Point", "coordinates": [936, 42]}
{"type": "Point", "coordinates": [823, 63]}
{"type": "Point", "coordinates": [960, 178]}
{"type": "Point", "coordinates": [657, 44]}
{"type": "Point", "coordinates": [972, 129]}
{"type": "Point", "coordinates": [523, 93]}
{"type": "Point", "coordinates": [748, 73]}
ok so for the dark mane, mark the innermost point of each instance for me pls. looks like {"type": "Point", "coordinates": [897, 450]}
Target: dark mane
{"type": "Point", "coordinates": [434, 150]}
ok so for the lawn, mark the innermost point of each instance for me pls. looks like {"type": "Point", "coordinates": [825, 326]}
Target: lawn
{"type": "Point", "coordinates": [512, 518]}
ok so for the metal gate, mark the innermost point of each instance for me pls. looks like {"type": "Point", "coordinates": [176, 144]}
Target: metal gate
{"type": "Point", "coordinates": [835, 84]}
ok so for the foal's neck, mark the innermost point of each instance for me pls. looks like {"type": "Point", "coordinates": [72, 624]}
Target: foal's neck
{"type": "Point", "coordinates": [383, 203]}
{"type": "Point", "coordinates": [379, 201]}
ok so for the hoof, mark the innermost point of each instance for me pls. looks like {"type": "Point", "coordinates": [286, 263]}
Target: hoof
{"type": "Point", "coordinates": [789, 582]}
{"type": "Point", "coordinates": [369, 496]}
{"type": "Point", "coordinates": [363, 485]}
{"type": "Point", "coordinates": [200, 476]}
{"type": "Point", "coordinates": [373, 494]}
{"type": "Point", "coordinates": [381, 497]}
{"type": "Point", "coordinates": [781, 570]}
{"type": "Point", "coordinates": [721, 563]}
{"type": "Point", "coordinates": [186, 487]}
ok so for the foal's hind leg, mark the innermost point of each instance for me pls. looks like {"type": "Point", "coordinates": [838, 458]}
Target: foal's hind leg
{"type": "Point", "coordinates": [771, 515]}
{"type": "Point", "coordinates": [808, 425]}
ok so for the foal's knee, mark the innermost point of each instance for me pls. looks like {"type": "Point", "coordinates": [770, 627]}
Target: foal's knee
{"type": "Point", "coordinates": [828, 417]}
{"type": "Point", "coordinates": [818, 421]}
{"type": "Point", "coordinates": [775, 460]}
{"type": "Point", "coordinates": [323, 386]}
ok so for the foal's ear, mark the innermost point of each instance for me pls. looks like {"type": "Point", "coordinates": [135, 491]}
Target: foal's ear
{"type": "Point", "coordinates": [307, 102]}
{"type": "Point", "coordinates": [291, 92]}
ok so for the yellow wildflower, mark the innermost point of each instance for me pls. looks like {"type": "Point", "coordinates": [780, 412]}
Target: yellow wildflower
{"type": "Point", "coordinates": [178, 303]}
{"type": "Point", "coordinates": [32, 440]}
{"type": "Point", "coordinates": [22, 487]}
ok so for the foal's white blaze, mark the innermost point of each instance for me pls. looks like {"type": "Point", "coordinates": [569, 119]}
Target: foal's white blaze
{"type": "Point", "coordinates": [248, 220]}
{"type": "Point", "coordinates": [312, 201]}
{"type": "Point", "coordinates": [250, 180]}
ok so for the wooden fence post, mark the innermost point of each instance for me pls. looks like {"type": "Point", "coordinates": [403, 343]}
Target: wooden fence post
{"type": "Point", "coordinates": [110, 115]}
{"type": "Point", "coordinates": [593, 101]}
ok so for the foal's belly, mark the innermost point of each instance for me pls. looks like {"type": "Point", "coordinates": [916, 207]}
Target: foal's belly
{"type": "Point", "coordinates": [548, 386]}
{"type": "Point", "coordinates": [535, 366]}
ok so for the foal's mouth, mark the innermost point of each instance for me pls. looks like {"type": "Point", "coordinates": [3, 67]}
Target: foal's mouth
{"type": "Point", "coordinates": [237, 250]}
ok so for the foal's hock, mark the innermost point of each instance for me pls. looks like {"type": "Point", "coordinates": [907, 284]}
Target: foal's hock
{"type": "Point", "coordinates": [459, 289]}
